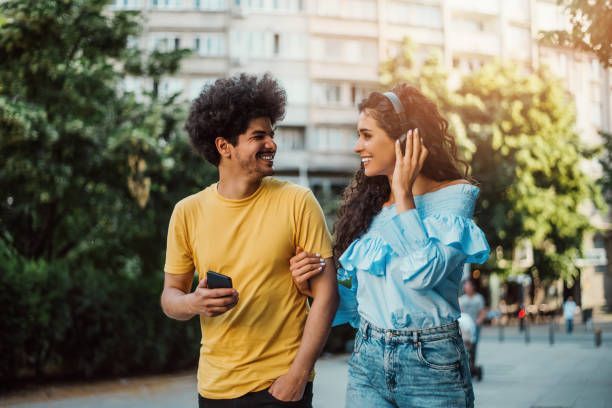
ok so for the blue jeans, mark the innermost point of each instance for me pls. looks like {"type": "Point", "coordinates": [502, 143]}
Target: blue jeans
{"type": "Point", "coordinates": [569, 325]}
{"type": "Point", "coordinates": [409, 368]}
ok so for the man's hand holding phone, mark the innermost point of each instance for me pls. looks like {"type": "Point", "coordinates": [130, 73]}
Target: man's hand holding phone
{"type": "Point", "coordinates": [212, 302]}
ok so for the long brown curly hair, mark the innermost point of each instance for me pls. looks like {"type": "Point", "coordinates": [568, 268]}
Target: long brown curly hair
{"type": "Point", "coordinates": [365, 196]}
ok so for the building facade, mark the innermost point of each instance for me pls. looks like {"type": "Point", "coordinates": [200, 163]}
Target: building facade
{"type": "Point", "coordinates": [326, 53]}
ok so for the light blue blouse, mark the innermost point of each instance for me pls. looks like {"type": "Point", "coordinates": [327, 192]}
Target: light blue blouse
{"type": "Point", "coordinates": [406, 269]}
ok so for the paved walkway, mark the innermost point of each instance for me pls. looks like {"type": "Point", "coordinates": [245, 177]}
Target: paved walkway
{"type": "Point", "coordinates": [570, 373]}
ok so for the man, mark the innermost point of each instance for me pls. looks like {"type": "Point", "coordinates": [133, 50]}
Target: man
{"type": "Point", "coordinates": [473, 304]}
{"type": "Point", "coordinates": [259, 341]}
{"type": "Point", "coordinates": [569, 311]}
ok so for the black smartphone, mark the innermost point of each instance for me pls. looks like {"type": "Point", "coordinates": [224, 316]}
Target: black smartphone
{"type": "Point", "coordinates": [218, 280]}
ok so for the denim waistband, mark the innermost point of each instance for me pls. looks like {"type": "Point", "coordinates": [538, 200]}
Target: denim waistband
{"type": "Point", "coordinates": [368, 330]}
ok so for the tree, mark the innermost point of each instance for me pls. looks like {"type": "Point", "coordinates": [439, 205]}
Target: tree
{"type": "Point", "coordinates": [591, 29]}
{"type": "Point", "coordinates": [82, 156]}
{"type": "Point", "coordinates": [528, 159]}
{"type": "Point", "coordinates": [88, 178]}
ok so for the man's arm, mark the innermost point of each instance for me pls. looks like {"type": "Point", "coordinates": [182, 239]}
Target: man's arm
{"type": "Point", "coordinates": [324, 286]}
{"type": "Point", "coordinates": [178, 303]}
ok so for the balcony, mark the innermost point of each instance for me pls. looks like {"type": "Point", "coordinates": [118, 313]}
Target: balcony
{"type": "Point", "coordinates": [187, 20]}
{"type": "Point", "coordinates": [488, 7]}
{"type": "Point", "coordinates": [339, 27]}
{"type": "Point", "coordinates": [204, 66]}
{"type": "Point", "coordinates": [476, 43]}
{"type": "Point", "coordinates": [334, 115]}
{"type": "Point", "coordinates": [341, 71]}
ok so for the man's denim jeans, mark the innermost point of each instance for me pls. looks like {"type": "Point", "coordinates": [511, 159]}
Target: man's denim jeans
{"type": "Point", "coordinates": [409, 368]}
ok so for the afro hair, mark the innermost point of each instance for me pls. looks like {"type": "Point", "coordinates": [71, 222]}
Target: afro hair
{"type": "Point", "coordinates": [225, 108]}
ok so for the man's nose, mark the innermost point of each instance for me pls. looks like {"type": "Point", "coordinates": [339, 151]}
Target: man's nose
{"type": "Point", "coordinates": [270, 144]}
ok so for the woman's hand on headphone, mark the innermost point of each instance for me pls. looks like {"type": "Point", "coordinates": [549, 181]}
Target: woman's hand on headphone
{"type": "Point", "coordinates": [407, 166]}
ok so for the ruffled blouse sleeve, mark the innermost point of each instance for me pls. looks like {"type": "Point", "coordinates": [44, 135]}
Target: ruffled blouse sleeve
{"type": "Point", "coordinates": [431, 248]}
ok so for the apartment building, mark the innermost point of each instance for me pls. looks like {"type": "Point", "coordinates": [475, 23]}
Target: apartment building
{"type": "Point", "coordinates": [327, 52]}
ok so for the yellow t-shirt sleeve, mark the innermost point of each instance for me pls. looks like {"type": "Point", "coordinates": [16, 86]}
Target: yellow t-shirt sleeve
{"type": "Point", "coordinates": [311, 231]}
{"type": "Point", "coordinates": [179, 257]}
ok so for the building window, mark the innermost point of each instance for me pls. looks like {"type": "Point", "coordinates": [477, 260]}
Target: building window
{"type": "Point", "coordinates": [210, 5]}
{"type": "Point", "coordinates": [333, 139]}
{"type": "Point", "coordinates": [210, 45]}
{"type": "Point", "coordinates": [256, 44]}
{"type": "Point", "coordinates": [171, 86]}
{"type": "Point", "coordinates": [276, 44]}
{"type": "Point", "coordinates": [326, 94]}
{"type": "Point", "coordinates": [404, 13]}
{"type": "Point", "coordinates": [164, 42]}
{"type": "Point", "coordinates": [352, 9]}
{"type": "Point", "coordinates": [359, 93]}
{"type": "Point", "coordinates": [167, 4]}
{"type": "Point", "coordinates": [595, 71]}
{"type": "Point", "coordinates": [289, 138]}
{"type": "Point", "coordinates": [340, 50]}
{"type": "Point", "coordinates": [126, 4]}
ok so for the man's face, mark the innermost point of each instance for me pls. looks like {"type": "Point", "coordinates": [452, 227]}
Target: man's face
{"type": "Point", "coordinates": [255, 150]}
{"type": "Point", "coordinates": [468, 288]}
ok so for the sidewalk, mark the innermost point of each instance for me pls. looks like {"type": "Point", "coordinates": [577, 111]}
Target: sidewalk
{"type": "Point", "coordinates": [570, 373]}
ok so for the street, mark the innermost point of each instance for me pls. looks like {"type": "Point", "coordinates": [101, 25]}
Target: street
{"type": "Point", "coordinates": [570, 373]}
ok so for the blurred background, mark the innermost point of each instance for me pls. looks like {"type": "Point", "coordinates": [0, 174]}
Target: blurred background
{"type": "Point", "coordinates": [93, 98]}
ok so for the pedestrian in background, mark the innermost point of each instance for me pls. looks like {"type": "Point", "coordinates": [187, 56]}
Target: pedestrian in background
{"type": "Point", "coordinates": [473, 303]}
{"type": "Point", "coordinates": [403, 233]}
{"type": "Point", "coordinates": [569, 310]}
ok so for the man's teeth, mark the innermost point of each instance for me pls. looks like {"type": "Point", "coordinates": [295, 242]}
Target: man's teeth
{"type": "Point", "coordinates": [365, 159]}
{"type": "Point", "coordinates": [267, 156]}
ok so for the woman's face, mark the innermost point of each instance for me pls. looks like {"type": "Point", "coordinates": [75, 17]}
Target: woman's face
{"type": "Point", "coordinates": [376, 148]}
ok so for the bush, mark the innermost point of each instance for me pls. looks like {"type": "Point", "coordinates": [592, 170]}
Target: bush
{"type": "Point", "coordinates": [69, 320]}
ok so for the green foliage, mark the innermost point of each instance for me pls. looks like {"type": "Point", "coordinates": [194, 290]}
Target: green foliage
{"type": "Point", "coordinates": [605, 159]}
{"type": "Point", "coordinates": [517, 130]}
{"type": "Point", "coordinates": [82, 322]}
{"type": "Point", "coordinates": [88, 179]}
{"type": "Point", "coordinates": [591, 29]}
{"type": "Point", "coordinates": [528, 160]}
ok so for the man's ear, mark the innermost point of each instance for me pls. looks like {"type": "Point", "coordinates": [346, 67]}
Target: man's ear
{"type": "Point", "coordinates": [223, 147]}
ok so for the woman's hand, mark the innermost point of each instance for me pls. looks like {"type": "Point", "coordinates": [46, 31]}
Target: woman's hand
{"type": "Point", "coordinates": [303, 266]}
{"type": "Point", "coordinates": [407, 168]}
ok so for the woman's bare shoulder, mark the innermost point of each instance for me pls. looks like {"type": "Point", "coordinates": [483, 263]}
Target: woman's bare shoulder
{"type": "Point", "coordinates": [447, 183]}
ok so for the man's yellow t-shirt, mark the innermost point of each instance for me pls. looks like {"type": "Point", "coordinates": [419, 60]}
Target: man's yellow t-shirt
{"type": "Point", "coordinates": [251, 240]}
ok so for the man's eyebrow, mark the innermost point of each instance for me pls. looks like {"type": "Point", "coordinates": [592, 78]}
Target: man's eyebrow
{"type": "Point", "coordinates": [364, 130]}
{"type": "Point", "coordinates": [262, 132]}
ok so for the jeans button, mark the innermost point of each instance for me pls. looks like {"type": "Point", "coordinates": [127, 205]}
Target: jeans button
{"type": "Point", "coordinates": [389, 334]}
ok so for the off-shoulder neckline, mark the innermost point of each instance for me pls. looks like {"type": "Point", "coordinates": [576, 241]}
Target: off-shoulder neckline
{"type": "Point", "coordinates": [461, 188]}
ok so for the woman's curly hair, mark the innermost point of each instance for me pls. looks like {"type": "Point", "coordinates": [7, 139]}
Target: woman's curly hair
{"type": "Point", "coordinates": [365, 196]}
{"type": "Point", "coordinates": [225, 108]}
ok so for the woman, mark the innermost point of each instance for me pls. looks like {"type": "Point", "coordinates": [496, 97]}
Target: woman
{"type": "Point", "coordinates": [403, 232]}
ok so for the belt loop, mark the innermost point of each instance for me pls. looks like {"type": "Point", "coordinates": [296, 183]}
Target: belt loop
{"type": "Point", "coordinates": [366, 327]}
{"type": "Point", "coordinates": [415, 336]}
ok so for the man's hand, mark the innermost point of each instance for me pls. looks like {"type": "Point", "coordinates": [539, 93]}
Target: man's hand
{"type": "Point", "coordinates": [303, 266]}
{"type": "Point", "coordinates": [212, 302]}
{"type": "Point", "coordinates": [288, 388]}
